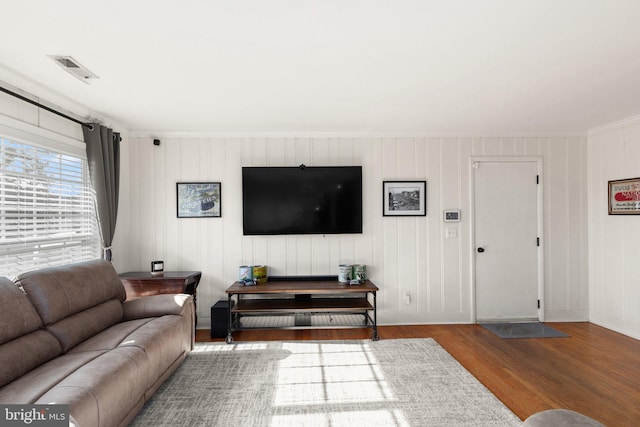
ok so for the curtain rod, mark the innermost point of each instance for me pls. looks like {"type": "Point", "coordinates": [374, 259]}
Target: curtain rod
{"type": "Point", "coordinates": [44, 107]}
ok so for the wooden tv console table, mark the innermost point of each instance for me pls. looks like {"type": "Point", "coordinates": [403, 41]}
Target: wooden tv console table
{"type": "Point", "coordinates": [291, 296]}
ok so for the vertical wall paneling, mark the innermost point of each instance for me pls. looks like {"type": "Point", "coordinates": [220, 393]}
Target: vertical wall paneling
{"type": "Point", "coordinates": [372, 204]}
{"type": "Point", "coordinates": [492, 146]}
{"type": "Point", "coordinates": [557, 204]}
{"type": "Point", "coordinates": [144, 202]}
{"type": "Point", "coordinates": [577, 229]}
{"type": "Point", "coordinates": [159, 195]}
{"type": "Point", "coordinates": [632, 232]}
{"type": "Point", "coordinates": [403, 254]}
{"type": "Point", "coordinates": [449, 193]}
{"type": "Point", "coordinates": [130, 158]}
{"type": "Point", "coordinates": [422, 172]}
{"type": "Point", "coordinates": [231, 217]}
{"type": "Point", "coordinates": [466, 247]}
{"type": "Point", "coordinates": [390, 231]}
{"type": "Point", "coordinates": [435, 287]}
{"type": "Point", "coordinates": [614, 292]}
{"type": "Point", "coordinates": [172, 252]}
{"type": "Point", "coordinates": [463, 243]}
{"type": "Point", "coordinates": [405, 246]}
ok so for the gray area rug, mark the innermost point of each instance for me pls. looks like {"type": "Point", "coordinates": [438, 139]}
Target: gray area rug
{"type": "Point", "coordinates": [402, 382]}
{"type": "Point", "coordinates": [523, 330]}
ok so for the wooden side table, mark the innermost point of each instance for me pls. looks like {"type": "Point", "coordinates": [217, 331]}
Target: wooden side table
{"type": "Point", "coordinates": [142, 283]}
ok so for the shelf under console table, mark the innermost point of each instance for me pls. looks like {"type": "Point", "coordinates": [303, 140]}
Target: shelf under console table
{"type": "Point", "coordinates": [309, 296]}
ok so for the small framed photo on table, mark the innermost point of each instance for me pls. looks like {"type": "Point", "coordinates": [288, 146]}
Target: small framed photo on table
{"type": "Point", "coordinates": [404, 198]}
{"type": "Point", "coordinates": [198, 199]}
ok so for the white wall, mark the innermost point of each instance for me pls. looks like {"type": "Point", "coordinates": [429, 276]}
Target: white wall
{"type": "Point", "coordinates": [401, 254]}
{"type": "Point", "coordinates": [614, 240]}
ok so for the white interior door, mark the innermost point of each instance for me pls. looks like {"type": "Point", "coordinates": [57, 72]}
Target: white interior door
{"type": "Point", "coordinates": [506, 240]}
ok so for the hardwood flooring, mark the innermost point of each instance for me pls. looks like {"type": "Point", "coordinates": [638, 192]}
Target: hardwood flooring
{"type": "Point", "coordinates": [595, 372]}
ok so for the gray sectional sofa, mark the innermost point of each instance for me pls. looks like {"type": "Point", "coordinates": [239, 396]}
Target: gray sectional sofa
{"type": "Point", "coordinates": [68, 336]}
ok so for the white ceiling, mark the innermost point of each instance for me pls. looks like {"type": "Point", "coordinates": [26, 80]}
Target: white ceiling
{"type": "Point", "coordinates": [336, 65]}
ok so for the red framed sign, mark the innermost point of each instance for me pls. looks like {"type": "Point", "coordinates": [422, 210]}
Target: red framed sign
{"type": "Point", "coordinates": [624, 197]}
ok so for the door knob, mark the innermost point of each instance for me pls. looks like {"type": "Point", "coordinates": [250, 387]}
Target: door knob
{"type": "Point", "coordinates": [480, 250]}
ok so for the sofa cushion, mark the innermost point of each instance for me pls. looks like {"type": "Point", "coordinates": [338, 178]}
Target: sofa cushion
{"type": "Point", "coordinates": [74, 329]}
{"type": "Point", "coordinates": [110, 338]}
{"type": "Point", "coordinates": [164, 340]}
{"type": "Point", "coordinates": [59, 292]}
{"type": "Point", "coordinates": [31, 386]}
{"type": "Point", "coordinates": [102, 392]}
{"type": "Point", "coordinates": [19, 356]}
{"type": "Point", "coordinates": [21, 330]}
{"type": "Point", "coordinates": [17, 317]}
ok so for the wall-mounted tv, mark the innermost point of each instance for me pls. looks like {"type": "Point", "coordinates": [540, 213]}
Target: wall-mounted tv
{"type": "Point", "coordinates": [302, 200]}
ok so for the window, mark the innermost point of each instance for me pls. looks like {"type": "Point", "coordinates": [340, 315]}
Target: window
{"type": "Point", "coordinates": [47, 209]}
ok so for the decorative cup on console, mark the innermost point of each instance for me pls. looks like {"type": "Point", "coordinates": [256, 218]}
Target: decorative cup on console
{"type": "Point", "coordinates": [245, 274]}
{"type": "Point", "coordinates": [260, 274]}
{"type": "Point", "coordinates": [359, 273]}
{"type": "Point", "coordinates": [344, 273]}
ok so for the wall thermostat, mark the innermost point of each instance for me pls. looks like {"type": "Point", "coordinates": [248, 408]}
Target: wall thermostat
{"type": "Point", "coordinates": [157, 266]}
{"type": "Point", "coordinates": [452, 215]}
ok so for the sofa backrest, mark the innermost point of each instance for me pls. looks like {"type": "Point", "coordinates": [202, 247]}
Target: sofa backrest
{"type": "Point", "coordinates": [21, 330]}
{"type": "Point", "coordinates": [75, 301]}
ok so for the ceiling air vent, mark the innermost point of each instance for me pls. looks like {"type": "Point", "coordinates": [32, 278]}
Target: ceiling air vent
{"type": "Point", "coordinates": [74, 68]}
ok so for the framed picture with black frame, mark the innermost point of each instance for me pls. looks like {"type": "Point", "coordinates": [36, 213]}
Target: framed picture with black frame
{"type": "Point", "coordinates": [199, 199]}
{"type": "Point", "coordinates": [404, 198]}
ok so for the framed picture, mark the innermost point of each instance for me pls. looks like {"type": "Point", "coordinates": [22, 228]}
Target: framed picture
{"type": "Point", "coordinates": [624, 197]}
{"type": "Point", "coordinates": [198, 199]}
{"type": "Point", "coordinates": [404, 198]}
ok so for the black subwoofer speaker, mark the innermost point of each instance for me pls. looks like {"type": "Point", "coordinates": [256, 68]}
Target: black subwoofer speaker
{"type": "Point", "coordinates": [220, 319]}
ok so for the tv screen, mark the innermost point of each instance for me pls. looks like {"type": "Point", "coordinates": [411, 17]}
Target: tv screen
{"type": "Point", "coordinates": [302, 200]}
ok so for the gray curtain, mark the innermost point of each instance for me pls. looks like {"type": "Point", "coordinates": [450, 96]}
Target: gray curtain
{"type": "Point", "coordinates": [103, 154]}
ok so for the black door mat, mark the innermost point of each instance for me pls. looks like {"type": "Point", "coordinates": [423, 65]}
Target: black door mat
{"type": "Point", "coordinates": [523, 330]}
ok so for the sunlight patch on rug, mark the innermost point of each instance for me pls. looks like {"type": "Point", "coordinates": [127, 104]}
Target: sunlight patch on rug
{"type": "Point", "coordinates": [328, 373]}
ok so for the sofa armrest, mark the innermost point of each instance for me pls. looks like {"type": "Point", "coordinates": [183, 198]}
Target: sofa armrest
{"type": "Point", "coordinates": [159, 305]}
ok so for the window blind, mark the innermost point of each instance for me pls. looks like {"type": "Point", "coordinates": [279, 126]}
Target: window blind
{"type": "Point", "coordinates": [47, 209]}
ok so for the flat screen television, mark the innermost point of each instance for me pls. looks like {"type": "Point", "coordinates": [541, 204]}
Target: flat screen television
{"type": "Point", "coordinates": [302, 200]}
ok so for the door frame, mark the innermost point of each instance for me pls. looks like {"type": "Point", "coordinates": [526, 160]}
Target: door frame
{"type": "Point", "coordinates": [538, 160]}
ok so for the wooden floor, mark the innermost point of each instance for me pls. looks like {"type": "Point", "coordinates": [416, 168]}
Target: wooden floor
{"type": "Point", "coordinates": [595, 371]}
